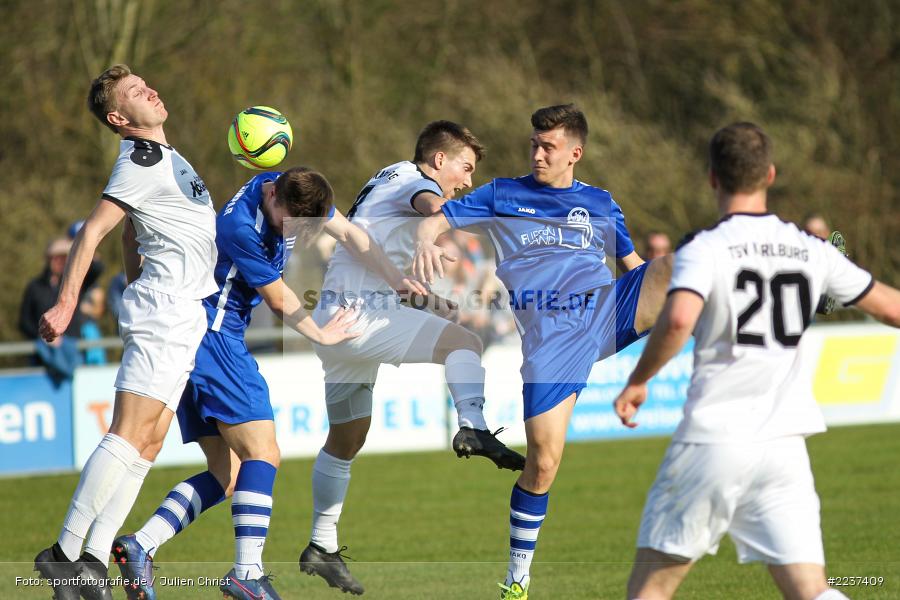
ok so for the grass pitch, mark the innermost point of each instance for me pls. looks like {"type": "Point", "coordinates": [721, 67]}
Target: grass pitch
{"type": "Point", "coordinates": [433, 526]}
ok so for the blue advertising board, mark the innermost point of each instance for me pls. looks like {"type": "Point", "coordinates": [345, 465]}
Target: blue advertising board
{"type": "Point", "coordinates": [594, 418]}
{"type": "Point", "coordinates": [35, 424]}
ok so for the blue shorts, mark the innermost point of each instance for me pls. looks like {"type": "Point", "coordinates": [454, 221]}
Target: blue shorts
{"type": "Point", "coordinates": [561, 346]}
{"type": "Point", "coordinates": [225, 386]}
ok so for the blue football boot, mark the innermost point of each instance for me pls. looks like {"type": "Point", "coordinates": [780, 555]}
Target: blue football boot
{"type": "Point", "coordinates": [136, 567]}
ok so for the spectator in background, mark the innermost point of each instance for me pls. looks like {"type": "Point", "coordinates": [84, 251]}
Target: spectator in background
{"type": "Point", "coordinates": [92, 307]}
{"type": "Point", "coordinates": [60, 357]}
{"type": "Point", "coordinates": [814, 224]}
{"type": "Point", "coordinates": [470, 282]}
{"type": "Point", "coordinates": [656, 245]}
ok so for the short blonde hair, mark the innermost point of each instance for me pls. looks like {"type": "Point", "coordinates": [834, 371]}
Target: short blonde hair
{"type": "Point", "coordinates": [102, 96]}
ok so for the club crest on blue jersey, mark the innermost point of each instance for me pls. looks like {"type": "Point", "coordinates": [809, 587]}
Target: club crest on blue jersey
{"type": "Point", "coordinates": [579, 219]}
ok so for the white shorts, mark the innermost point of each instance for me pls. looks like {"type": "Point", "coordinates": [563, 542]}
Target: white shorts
{"type": "Point", "coordinates": [761, 494]}
{"type": "Point", "coordinates": [161, 335]}
{"type": "Point", "coordinates": [391, 333]}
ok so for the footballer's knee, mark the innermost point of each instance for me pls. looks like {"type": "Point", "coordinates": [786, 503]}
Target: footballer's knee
{"type": "Point", "coordinates": [455, 337]}
{"type": "Point", "coordinates": [272, 455]}
{"type": "Point", "coordinates": [652, 296]}
{"type": "Point", "coordinates": [266, 450]}
{"type": "Point", "coordinates": [540, 471]}
{"type": "Point", "coordinates": [345, 440]}
{"type": "Point", "coordinates": [801, 581]}
{"type": "Point", "coordinates": [345, 448]}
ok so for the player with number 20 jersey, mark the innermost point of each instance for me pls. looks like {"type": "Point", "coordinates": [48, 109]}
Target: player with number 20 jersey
{"type": "Point", "coordinates": [747, 288]}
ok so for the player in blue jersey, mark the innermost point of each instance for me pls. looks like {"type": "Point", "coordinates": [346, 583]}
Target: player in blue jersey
{"type": "Point", "coordinates": [226, 408]}
{"type": "Point", "coordinates": [552, 235]}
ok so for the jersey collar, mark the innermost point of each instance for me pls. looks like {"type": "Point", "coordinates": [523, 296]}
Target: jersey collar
{"type": "Point", "coordinates": [135, 138]}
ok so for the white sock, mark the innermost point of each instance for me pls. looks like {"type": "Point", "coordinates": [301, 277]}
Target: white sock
{"type": "Point", "coordinates": [831, 594]}
{"type": "Point", "coordinates": [100, 478]}
{"type": "Point", "coordinates": [465, 378]}
{"type": "Point", "coordinates": [330, 479]}
{"type": "Point", "coordinates": [109, 521]}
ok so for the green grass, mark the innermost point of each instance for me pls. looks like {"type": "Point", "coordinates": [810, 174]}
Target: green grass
{"type": "Point", "coordinates": [432, 526]}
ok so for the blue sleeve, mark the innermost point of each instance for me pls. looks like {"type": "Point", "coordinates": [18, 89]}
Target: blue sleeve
{"type": "Point", "coordinates": [472, 210]}
{"type": "Point", "coordinates": [624, 245]}
{"type": "Point", "coordinates": [245, 247]}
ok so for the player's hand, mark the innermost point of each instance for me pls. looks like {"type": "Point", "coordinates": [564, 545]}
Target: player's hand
{"type": "Point", "coordinates": [337, 329]}
{"type": "Point", "coordinates": [54, 322]}
{"type": "Point", "coordinates": [629, 401]}
{"type": "Point", "coordinates": [427, 261]}
{"type": "Point", "coordinates": [406, 286]}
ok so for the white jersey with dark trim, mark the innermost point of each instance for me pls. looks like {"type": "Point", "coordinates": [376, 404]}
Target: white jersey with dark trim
{"type": "Point", "coordinates": [384, 210]}
{"type": "Point", "coordinates": [173, 217]}
{"type": "Point", "coordinates": [761, 279]}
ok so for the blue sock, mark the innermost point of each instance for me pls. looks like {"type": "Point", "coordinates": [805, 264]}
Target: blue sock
{"type": "Point", "coordinates": [526, 513]}
{"type": "Point", "coordinates": [179, 509]}
{"type": "Point", "coordinates": [251, 509]}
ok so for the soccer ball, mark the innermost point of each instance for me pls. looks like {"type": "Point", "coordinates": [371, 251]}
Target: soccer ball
{"type": "Point", "coordinates": [259, 137]}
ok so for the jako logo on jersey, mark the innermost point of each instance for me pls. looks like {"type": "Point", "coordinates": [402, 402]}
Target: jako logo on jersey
{"type": "Point", "coordinates": [523, 209]}
{"type": "Point", "coordinates": [579, 219]}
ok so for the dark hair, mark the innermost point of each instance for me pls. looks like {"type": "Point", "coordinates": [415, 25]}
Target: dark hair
{"type": "Point", "coordinates": [305, 192]}
{"type": "Point", "coordinates": [739, 157]}
{"type": "Point", "coordinates": [308, 197]}
{"type": "Point", "coordinates": [102, 95]}
{"type": "Point", "coordinates": [447, 137]}
{"type": "Point", "coordinates": [567, 116]}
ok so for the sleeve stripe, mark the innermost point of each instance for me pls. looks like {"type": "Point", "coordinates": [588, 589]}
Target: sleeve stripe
{"type": "Point", "coordinates": [862, 293]}
{"type": "Point", "coordinates": [123, 205]}
{"type": "Point", "coordinates": [685, 289]}
{"type": "Point", "coordinates": [417, 194]}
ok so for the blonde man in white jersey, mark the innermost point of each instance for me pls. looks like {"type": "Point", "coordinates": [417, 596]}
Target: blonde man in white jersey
{"type": "Point", "coordinates": [389, 208]}
{"type": "Point", "coordinates": [161, 321]}
{"type": "Point", "coordinates": [737, 463]}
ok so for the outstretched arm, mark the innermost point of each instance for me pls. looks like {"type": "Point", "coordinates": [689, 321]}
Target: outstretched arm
{"type": "Point", "coordinates": [883, 303]}
{"type": "Point", "coordinates": [105, 216]}
{"type": "Point", "coordinates": [673, 329]}
{"type": "Point", "coordinates": [360, 244]}
{"type": "Point", "coordinates": [284, 303]}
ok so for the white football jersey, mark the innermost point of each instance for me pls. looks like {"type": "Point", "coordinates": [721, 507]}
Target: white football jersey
{"type": "Point", "coordinates": [173, 217]}
{"type": "Point", "coordinates": [761, 279]}
{"type": "Point", "coordinates": [384, 210]}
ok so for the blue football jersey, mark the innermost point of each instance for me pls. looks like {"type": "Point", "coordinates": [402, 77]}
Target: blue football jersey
{"type": "Point", "coordinates": [550, 243]}
{"type": "Point", "coordinates": [251, 255]}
